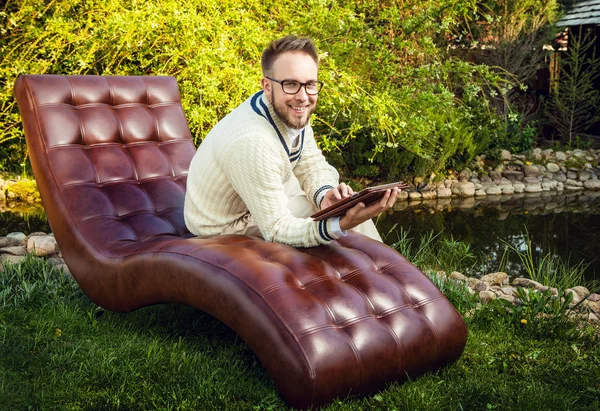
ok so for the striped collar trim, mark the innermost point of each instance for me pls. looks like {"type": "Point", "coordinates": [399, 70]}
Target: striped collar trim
{"type": "Point", "coordinates": [263, 108]}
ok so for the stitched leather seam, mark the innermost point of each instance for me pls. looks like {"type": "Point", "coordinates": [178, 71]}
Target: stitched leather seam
{"type": "Point", "coordinates": [116, 107]}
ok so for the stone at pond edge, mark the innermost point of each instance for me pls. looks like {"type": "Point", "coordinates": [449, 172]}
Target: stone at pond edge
{"type": "Point", "coordinates": [42, 245]}
{"type": "Point", "coordinates": [9, 242]}
{"type": "Point", "coordinates": [498, 278]}
{"type": "Point", "coordinates": [485, 296]}
{"type": "Point", "coordinates": [10, 259]}
{"type": "Point", "coordinates": [594, 297]}
{"type": "Point", "coordinates": [581, 291]}
{"type": "Point", "coordinates": [17, 236]}
{"type": "Point", "coordinates": [526, 282]}
{"type": "Point", "coordinates": [592, 185]}
{"type": "Point", "coordinates": [463, 189]}
{"type": "Point", "coordinates": [13, 250]}
{"type": "Point", "coordinates": [455, 275]}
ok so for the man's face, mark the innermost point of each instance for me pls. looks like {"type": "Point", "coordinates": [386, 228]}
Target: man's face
{"type": "Point", "coordinates": [294, 110]}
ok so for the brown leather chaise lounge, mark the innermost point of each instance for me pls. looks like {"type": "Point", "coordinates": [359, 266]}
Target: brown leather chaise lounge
{"type": "Point", "coordinates": [111, 155]}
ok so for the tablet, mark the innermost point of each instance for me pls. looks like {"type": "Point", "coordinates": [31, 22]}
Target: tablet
{"type": "Point", "coordinates": [366, 196]}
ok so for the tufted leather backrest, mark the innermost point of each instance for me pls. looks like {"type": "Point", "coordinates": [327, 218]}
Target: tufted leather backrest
{"type": "Point", "coordinates": [117, 149]}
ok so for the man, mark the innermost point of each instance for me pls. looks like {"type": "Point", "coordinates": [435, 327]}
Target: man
{"type": "Point", "coordinates": [259, 169]}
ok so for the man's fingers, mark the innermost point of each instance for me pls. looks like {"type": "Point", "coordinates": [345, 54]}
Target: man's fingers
{"type": "Point", "coordinates": [345, 190]}
{"type": "Point", "coordinates": [336, 193]}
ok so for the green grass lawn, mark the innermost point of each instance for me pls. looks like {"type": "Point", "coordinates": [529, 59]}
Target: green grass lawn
{"type": "Point", "coordinates": [59, 351]}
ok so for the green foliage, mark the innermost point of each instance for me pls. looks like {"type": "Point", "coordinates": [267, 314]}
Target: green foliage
{"type": "Point", "coordinates": [433, 253]}
{"type": "Point", "coordinates": [574, 105]}
{"type": "Point", "coordinates": [25, 190]}
{"type": "Point", "coordinates": [60, 351]}
{"type": "Point", "coordinates": [549, 269]}
{"type": "Point", "coordinates": [456, 291]}
{"type": "Point", "coordinates": [32, 281]}
{"type": "Point", "coordinates": [538, 314]}
{"type": "Point", "coordinates": [390, 86]}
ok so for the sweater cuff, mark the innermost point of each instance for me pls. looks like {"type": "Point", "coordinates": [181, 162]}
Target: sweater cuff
{"type": "Point", "coordinates": [336, 230]}
{"type": "Point", "coordinates": [319, 194]}
{"type": "Point", "coordinates": [326, 230]}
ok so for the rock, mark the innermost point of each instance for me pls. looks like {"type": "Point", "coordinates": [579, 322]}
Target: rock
{"type": "Point", "coordinates": [507, 189]}
{"type": "Point", "coordinates": [63, 267]}
{"type": "Point", "coordinates": [533, 188]}
{"type": "Point", "coordinates": [532, 180]}
{"type": "Point", "coordinates": [560, 156]}
{"type": "Point", "coordinates": [402, 195]}
{"type": "Point", "coordinates": [513, 175]}
{"type": "Point", "coordinates": [519, 187]}
{"type": "Point", "coordinates": [496, 175]}
{"type": "Point", "coordinates": [9, 242]}
{"type": "Point", "coordinates": [444, 192]}
{"type": "Point", "coordinates": [553, 291]}
{"type": "Point", "coordinates": [498, 278]}
{"type": "Point", "coordinates": [508, 298]}
{"type": "Point", "coordinates": [493, 190]}
{"type": "Point", "coordinates": [560, 177]}
{"type": "Point", "coordinates": [508, 290]}
{"type": "Point", "coordinates": [594, 297]}
{"type": "Point", "coordinates": [455, 275]}
{"type": "Point", "coordinates": [480, 192]}
{"type": "Point", "coordinates": [576, 297]}
{"type": "Point", "coordinates": [11, 259]}
{"type": "Point", "coordinates": [581, 291]}
{"type": "Point", "coordinates": [553, 167]}
{"type": "Point", "coordinates": [13, 250]}
{"type": "Point", "coordinates": [485, 296]}
{"type": "Point", "coordinates": [532, 171]}
{"type": "Point", "coordinates": [505, 155]}
{"type": "Point", "coordinates": [526, 283]}
{"type": "Point", "coordinates": [584, 176]}
{"type": "Point", "coordinates": [42, 245]}
{"type": "Point", "coordinates": [463, 189]}
{"type": "Point", "coordinates": [592, 318]}
{"type": "Point", "coordinates": [17, 236]}
{"type": "Point", "coordinates": [428, 194]}
{"type": "Point", "coordinates": [592, 185]}
{"type": "Point", "coordinates": [477, 285]}
{"type": "Point", "coordinates": [592, 305]}
{"type": "Point", "coordinates": [573, 183]}
{"type": "Point", "coordinates": [414, 195]}
{"type": "Point", "coordinates": [572, 175]}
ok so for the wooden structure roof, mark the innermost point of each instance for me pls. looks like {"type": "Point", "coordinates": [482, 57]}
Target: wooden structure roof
{"type": "Point", "coordinates": [583, 13]}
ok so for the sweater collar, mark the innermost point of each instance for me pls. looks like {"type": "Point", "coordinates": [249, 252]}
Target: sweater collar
{"type": "Point", "coordinates": [261, 106]}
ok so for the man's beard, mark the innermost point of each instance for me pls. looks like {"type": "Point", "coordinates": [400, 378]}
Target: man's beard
{"type": "Point", "coordinates": [293, 122]}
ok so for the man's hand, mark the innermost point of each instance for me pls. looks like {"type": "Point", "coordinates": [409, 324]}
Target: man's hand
{"type": "Point", "coordinates": [359, 213]}
{"type": "Point", "coordinates": [336, 194]}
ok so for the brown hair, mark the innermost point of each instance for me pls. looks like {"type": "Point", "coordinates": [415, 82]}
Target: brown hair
{"type": "Point", "coordinates": [284, 45]}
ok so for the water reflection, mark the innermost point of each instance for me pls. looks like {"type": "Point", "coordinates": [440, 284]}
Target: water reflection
{"type": "Point", "coordinates": [22, 217]}
{"type": "Point", "coordinates": [567, 224]}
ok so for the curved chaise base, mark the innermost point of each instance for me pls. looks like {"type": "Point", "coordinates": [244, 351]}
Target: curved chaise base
{"type": "Point", "coordinates": [325, 322]}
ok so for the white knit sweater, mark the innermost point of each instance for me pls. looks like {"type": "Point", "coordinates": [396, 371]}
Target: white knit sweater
{"type": "Point", "coordinates": [242, 165]}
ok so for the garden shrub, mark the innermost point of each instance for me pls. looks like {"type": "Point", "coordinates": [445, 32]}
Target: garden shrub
{"type": "Point", "coordinates": [391, 90]}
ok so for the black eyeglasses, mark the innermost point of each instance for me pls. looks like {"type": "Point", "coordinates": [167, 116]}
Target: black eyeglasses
{"type": "Point", "coordinates": [292, 86]}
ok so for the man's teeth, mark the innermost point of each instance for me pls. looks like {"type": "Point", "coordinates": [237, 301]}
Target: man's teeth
{"type": "Point", "coordinates": [298, 108]}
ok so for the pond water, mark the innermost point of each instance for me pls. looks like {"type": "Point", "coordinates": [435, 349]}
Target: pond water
{"type": "Point", "coordinates": [567, 224]}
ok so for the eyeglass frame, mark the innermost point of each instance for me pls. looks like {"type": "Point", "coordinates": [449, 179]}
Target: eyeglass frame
{"type": "Point", "coordinates": [281, 82]}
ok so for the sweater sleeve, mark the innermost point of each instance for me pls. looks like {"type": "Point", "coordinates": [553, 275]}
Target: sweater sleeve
{"type": "Point", "coordinates": [255, 169]}
{"type": "Point", "coordinates": [314, 173]}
